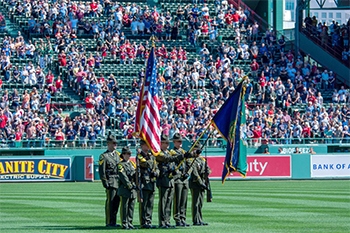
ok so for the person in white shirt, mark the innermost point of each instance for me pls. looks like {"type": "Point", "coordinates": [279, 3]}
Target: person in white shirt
{"type": "Point", "coordinates": [335, 96]}
{"type": "Point", "coordinates": [128, 7]}
{"type": "Point", "coordinates": [245, 46]}
{"type": "Point", "coordinates": [195, 77]}
{"type": "Point", "coordinates": [205, 10]}
{"type": "Point", "coordinates": [342, 94]}
{"type": "Point", "coordinates": [319, 99]}
{"type": "Point", "coordinates": [257, 111]}
{"type": "Point", "coordinates": [119, 15]}
{"type": "Point", "coordinates": [196, 63]}
{"type": "Point", "coordinates": [32, 77]}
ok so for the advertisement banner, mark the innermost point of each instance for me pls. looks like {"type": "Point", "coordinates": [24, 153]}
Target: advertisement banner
{"type": "Point", "coordinates": [35, 169]}
{"type": "Point", "coordinates": [89, 168]}
{"type": "Point", "coordinates": [258, 167]}
{"type": "Point", "coordinates": [330, 166]}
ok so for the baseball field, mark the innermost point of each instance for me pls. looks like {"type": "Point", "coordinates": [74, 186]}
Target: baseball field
{"type": "Point", "coordinates": [238, 206]}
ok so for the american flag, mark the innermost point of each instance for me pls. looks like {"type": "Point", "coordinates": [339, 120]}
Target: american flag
{"type": "Point", "coordinates": [147, 126]}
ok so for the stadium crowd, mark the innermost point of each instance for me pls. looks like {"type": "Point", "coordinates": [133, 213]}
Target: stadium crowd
{"type": "Point", "coordinates": [278, 79]}
{"type": "Point", "coordinates": [335, 35]}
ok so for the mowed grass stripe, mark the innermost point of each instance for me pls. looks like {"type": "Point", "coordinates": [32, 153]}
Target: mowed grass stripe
{"type": "Point", "coordinates": [295, 201]}
{"type": "Point", "coordinates": [292, 195]}
{"type": "Point", "coordinates": [235, 208]}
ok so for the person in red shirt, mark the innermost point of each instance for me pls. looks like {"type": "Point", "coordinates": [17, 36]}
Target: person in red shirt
{"type": "Point", "coordinates": [262, 81]}
{"type": "Point", "coordinates": [18, 136]}
{"type": "Point", "coordinates": [59, 84]}
{"type": "Point", "coordinates": [159, 30]}
{"type": "Point", "coordinates": [228, 19]}
{"type": "Point", "coordinates": [0, 84]}
{"type": "Point", "coordinates": [59, 138]}
{"type": "Point", "coordinates": [89, 104]}
{"type": "Point", "coordinates": [93, 7]}
{"type": "Point", "coordinates": [49, 77]}
{"type": "Point", "coordinates": [205, 28]}
{"type": "Point", "coordinates": [173, 56]}
{"type": "Point", "coordinates": [122, 56]}
{"type": "Point", "coordinates": [126, 20]}
{"type": "Point", "coordinates": [235, 19]}
{"type": "Point", "coordinates": [218, 63]}
{"type": "Point", "coordinates": [129, 132]}
{"type": "Point", "coordinates": [62, 58]}
{"type": "Point", "coordinates": [306, 130]}
{"type": "Point", "coordinates": [254, 67]}
{"type": "Point", "coordinates": [290, 56]}
{"type": "Point", "coordinates": [3, 121]}
{"type": "Point", "coordinates": [311, 99]}
{"type": "Point", "coordinates": [257, 135]}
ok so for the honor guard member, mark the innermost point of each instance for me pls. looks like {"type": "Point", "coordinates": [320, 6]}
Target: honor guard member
{"type": "Point", "coordinates": [149, 172]}
{"type": "Point", "coordinates": [181, 183]}
{"type": "Point", "coordinates": [165, 181]}
{"type": "Point", "coordinates": [127, 189]}
{"type": "Point", "coordinates": [198, 187]}
{"type": "Point", "coordinates": [109, 176]}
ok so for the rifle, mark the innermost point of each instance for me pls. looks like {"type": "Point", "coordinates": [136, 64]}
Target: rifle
{"type": "Point", "coordinates": [138, 183]}
{"type": "Point", "coordinates": [207, 183]}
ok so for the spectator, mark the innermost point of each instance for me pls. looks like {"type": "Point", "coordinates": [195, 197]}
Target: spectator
{"type": "Point", "coordinates": [59, 138]}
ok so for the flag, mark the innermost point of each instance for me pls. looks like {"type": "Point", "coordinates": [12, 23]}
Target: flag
{"type": "Point", "coordinates": [147, 126]}
{"type": "Point", "coordinates": [230, 122]}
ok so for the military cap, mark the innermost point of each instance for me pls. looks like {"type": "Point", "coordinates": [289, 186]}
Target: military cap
{"type": "Point", "coordinates": [177, 137]}
{"type": "Point", "coordinates": [198, 146]}
{"type": "Point", "coordinates": [164, 138]}
{"type": "Point", "coordinates": [142, 142]}
{"type": "Point", "coordinates": [111, 138]}
{"type": "Point", "coordinates": [126, 150]}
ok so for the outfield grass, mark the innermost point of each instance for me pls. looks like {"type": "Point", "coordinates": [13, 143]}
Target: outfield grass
{"type": "Point", "coordinates": [238, 206]}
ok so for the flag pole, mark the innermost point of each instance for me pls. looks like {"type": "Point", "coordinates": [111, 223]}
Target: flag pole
{"type": "Point", "coordinates": [139, 104]}
{"type": "Point", "coordinates": [178, 167]}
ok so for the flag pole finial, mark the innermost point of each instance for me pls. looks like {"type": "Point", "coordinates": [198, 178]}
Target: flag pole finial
{"type": "Point", "coordinates": [153, 39]}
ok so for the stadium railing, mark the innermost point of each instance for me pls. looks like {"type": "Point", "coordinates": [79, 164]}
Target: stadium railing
{"type": "Point", "coordinates": [52, 144]}
{"type": "Point", "coordinates": [256, 142]}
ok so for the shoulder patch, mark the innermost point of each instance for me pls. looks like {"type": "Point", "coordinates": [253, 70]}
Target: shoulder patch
{"type": "Point", "coordinates": [120, 167]}
{"type": "Point", "coordinates": [101, 157]}
{"type": "Point", "coordinates": [141, 158]}
{"type": "Point", "coordinates": [172, 152]}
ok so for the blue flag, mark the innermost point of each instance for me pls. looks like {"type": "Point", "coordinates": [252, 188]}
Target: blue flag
{"type": "Point", "coordinates": [230, 122]}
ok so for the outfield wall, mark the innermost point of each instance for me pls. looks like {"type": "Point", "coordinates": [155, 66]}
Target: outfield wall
{"type": "Point", "coordinates": [79, 165]}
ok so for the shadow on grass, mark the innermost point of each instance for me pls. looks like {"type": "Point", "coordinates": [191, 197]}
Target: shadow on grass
{"type": "Point", "coordinates": [76, 228]}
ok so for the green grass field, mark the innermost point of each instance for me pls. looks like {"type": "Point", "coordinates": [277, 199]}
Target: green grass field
{"type": "Point", "coordinates": [238, 206]}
